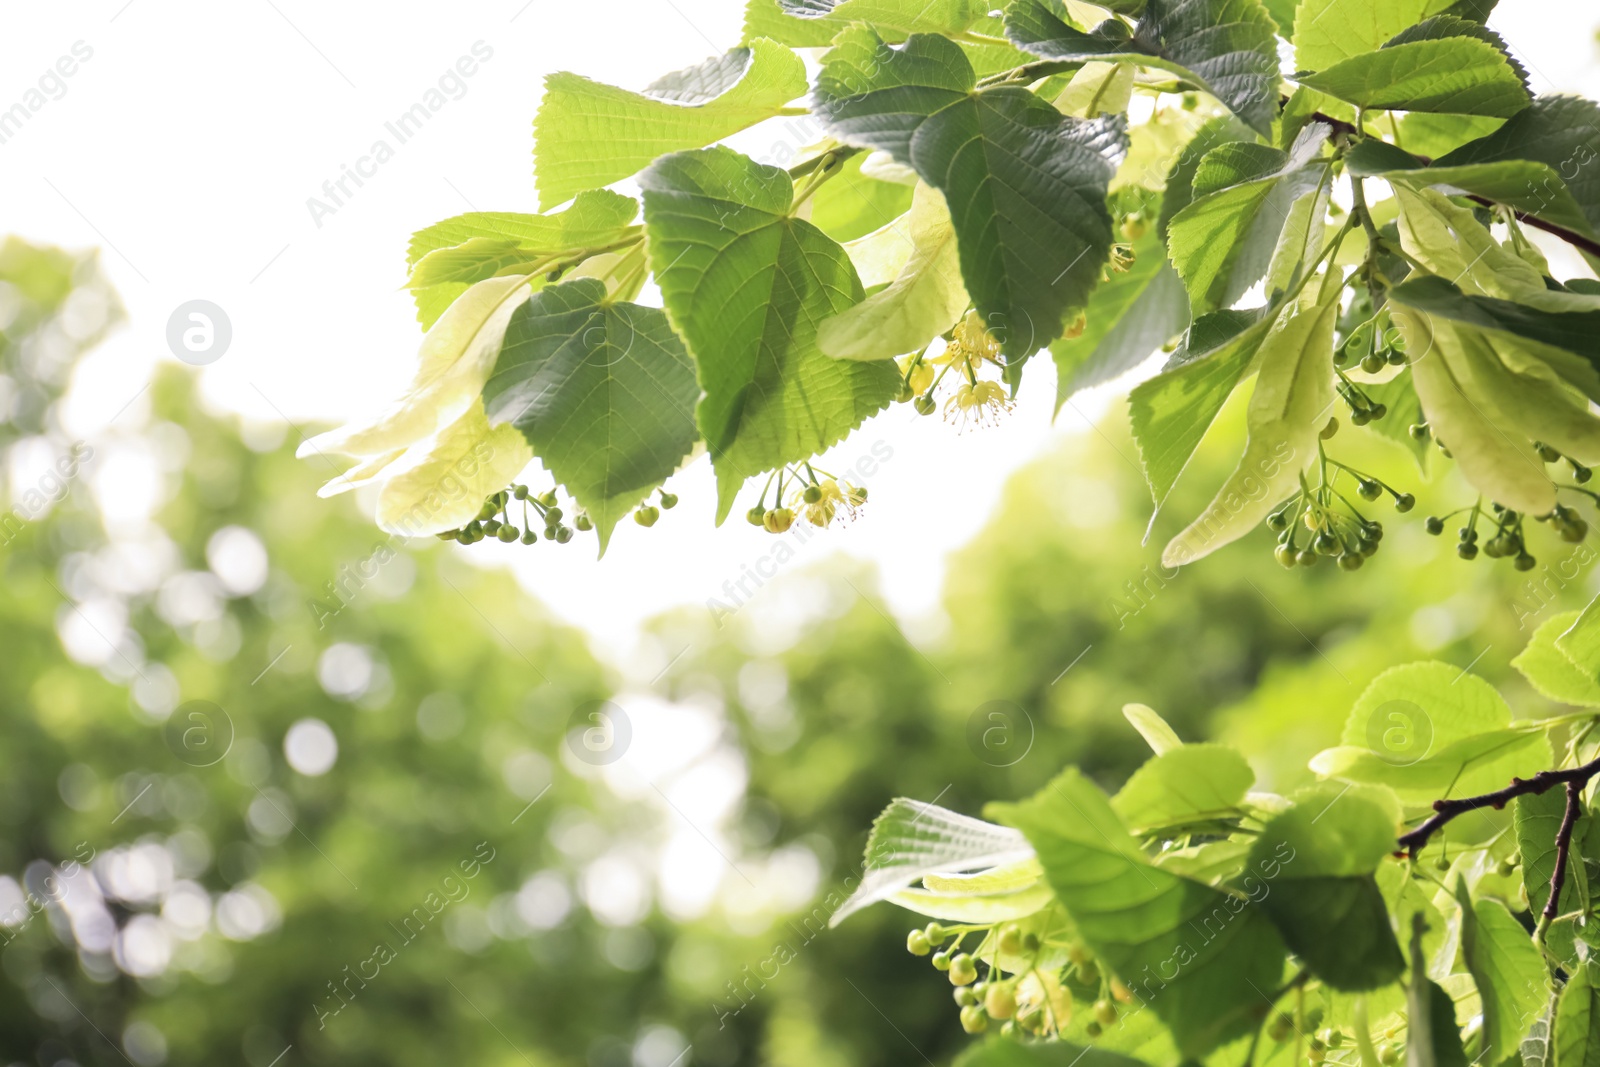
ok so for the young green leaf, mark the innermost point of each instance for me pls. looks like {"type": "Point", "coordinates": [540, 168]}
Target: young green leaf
{"type": "Point", "coordinates": [1507, 969]}
{"type": "Point", "coordinates": [746, 284]}
{"type": "Point", "coordinates": [1226, 47]}
{"type": "Point", "coordinates": [1219, 951]}
{"type": "Point", "coordinates": [1290, 405]}
{"type": "Point", "coordinates": [1430, 730]}
{"type": "Point", "coordinates": [1328, 31]}
{"type": "Point", "coordinates": [1179, 180]}
{"type": "Point", "coordinates": [1190, 783]}
{"type": "Point", "coordinates": [1223, 241]}
{"type": "Point", "coordinates": [1171, 412]}
{"type": "Point", "coordinates": [1152, 727]}
{"type": "Point", "coordinates": [448, 257]}
{"type": "Point", "coordinates": [1550, 671]}
{"type": "Point", "coordinates": [1454, 75]}
{"type": "Point", "coordinates": [602, 390]}
{"type": "Point", "coordinates": [922, 302]}
{"type": "Point", "coordinates": [1025, 185]}
{"type": "Point", "coordinates": [589, 134]}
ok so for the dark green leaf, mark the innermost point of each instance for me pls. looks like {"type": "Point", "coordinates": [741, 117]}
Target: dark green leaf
{"type": "Point", "coordinates": [1226, 47]}
{"type": "Point", "coordinates": [1026, 186]}
{"type": "Point", "coordinates": [1562, 132]}
{"type": "Point", "coordinates": [1575, 331]}
{"type": "Point", "coordinates": [1536, 818]}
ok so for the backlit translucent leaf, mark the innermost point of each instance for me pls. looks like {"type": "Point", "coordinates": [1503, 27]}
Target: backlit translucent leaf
{"type": "Point", "coordinates": [1172, 411]}
{"type": "Point", "coordinates": [440, 484]}
{"type": "Point", "coordinates": [1293, 396]}
{"type": "Point", "coordinates": [452, 365]}
{"type": "Point", "coordinates": [1190, 783]}
{"type": "Point", "coordinates": [1223, 241]}
{"type": "Point", "coordinates": [852, 203]}
{"type": "Point", "coordinates": [1550, 671]}
{"type": "Point", "coordinates": [449, 256]}
{"type": "Point", "coordinates": [746, 284]}
{"type": "Point", "coordinates": [1152, 727]}
{"type": "Point", "coordinates": [912, 839]}
{"type": "Point", "coordinates": [1025, 185]}
{"type": "Point", "coordinates": [922, 302]}
{"type": "Point", "coordinates": [1507, 969]}
{"type": "Point", "coordinates": [1327, 31]}
{"type": "Point", "coordinates": [602, 390]}
{"type": "Point", "coordinates": [589, 134]}
{"type": "Point", "coordinates": [1430, 730]}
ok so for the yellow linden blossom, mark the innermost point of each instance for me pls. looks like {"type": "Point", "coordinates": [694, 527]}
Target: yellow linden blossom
{"type": "Point", "coordinates": [978, 403]}
{"type": "Point", "coordinates": [432, 451]}
{"type": "Point", "coordinates": [971, 345]}
{"type": "Point", "coordinates": [1041, 998]}
{"type": "Point", "coordinates": [832, 499]}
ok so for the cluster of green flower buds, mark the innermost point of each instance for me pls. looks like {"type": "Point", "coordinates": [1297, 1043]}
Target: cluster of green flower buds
{"type": "Point", "coordinates": [1033, 999]}
{"type": "Point", "coordinates": [1506, 539]}
{"type": "Point", "coordinates": [494, 519]}
{"type": "Point", "coordinates": [1323, 522]}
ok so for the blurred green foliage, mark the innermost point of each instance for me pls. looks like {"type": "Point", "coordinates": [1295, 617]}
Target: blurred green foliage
{"type": "Point", "coordinates": [190, 911]}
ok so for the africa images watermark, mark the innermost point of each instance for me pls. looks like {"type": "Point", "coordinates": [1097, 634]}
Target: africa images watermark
{"type": "Point", "coordinates": [453, 889]}
{"type": "Point", "coordinates": [451, 85]}
{"type": "Point", "coordinates": [51, 85]}
{"type": "Point", "coordinates": [51, 489]}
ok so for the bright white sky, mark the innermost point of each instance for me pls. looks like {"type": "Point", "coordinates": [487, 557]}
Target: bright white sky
{"type": "Point", "coordinates": [188, 144]}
